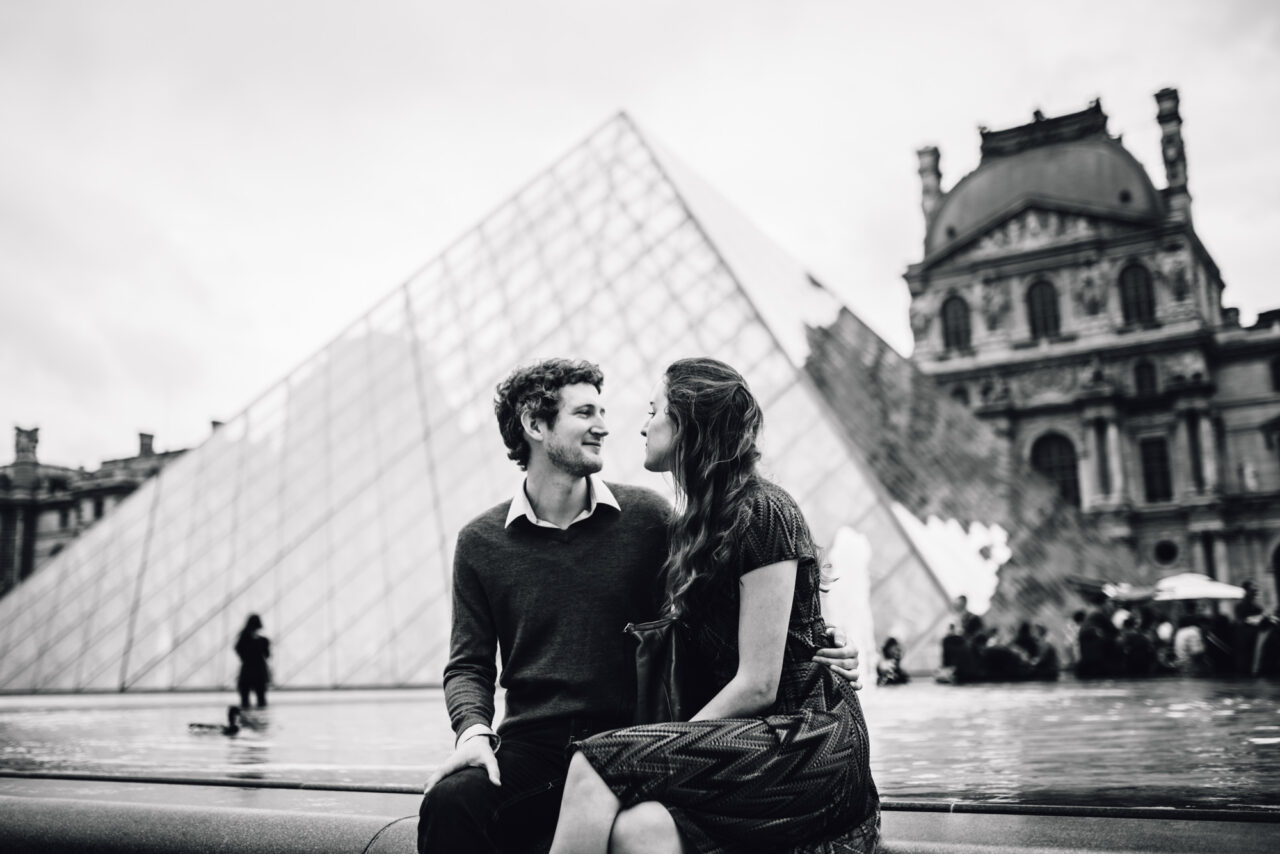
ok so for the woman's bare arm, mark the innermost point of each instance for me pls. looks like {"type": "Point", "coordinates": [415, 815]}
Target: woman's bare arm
{"type": "Point", "coordinates": [764, 610]}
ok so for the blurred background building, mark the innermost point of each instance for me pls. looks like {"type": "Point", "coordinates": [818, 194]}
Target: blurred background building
{"type": "Point", "coordinates": [1070, 304]}
{"type": "Point", "coordinates": [44, 507]}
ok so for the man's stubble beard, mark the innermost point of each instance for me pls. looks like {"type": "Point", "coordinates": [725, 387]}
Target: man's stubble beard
{"type": "Point", "coordinates": [576, 464]}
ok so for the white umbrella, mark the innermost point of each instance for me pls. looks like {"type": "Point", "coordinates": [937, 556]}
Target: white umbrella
{"type": "Point", "coordinates": [1194, 585]}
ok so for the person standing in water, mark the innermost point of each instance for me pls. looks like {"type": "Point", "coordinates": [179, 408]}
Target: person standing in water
{"type": "Point", "coordinates": [254, 649]}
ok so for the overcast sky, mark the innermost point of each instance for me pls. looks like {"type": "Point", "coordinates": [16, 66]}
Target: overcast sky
{"type": "Point", "coordinates": [196, 196]}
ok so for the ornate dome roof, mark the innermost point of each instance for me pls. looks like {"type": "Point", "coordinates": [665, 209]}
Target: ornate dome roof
{"type": "Point", "coordinates": [1091, 173]}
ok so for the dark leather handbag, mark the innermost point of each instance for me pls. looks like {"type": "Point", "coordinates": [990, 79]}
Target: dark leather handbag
{"type": "Point", "coordinates": [665, 671]}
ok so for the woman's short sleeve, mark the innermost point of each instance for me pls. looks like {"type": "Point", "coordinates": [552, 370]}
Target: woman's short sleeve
{"type": "Point", "coordinates": [777, 531]}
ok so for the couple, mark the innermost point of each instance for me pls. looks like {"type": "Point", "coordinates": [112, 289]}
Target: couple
{"type": "Point", "coordinates": [777, 758]}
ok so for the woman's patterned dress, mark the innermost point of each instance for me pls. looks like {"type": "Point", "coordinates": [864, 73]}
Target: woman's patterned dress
{"type": "Point", "coordinates": [797, 777]}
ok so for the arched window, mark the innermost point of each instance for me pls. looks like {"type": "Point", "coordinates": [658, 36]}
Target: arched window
{"type": "Point", "coordinates": [955, 324]}
{"type": "Point", "coordinates": [1042, 310]}
{"type": "Point", "coordinates": [960, 395]}
{"type": "Point", "coordinates": [1137, 299]}
{"type": "Point", "coordinates": [1144, 379]}
{"type": "Point", "coordinates": [1054, 456]}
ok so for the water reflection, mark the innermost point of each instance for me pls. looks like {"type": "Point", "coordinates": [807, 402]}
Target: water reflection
{"type": "Point", "coordinates": [1162, 742]}
{"type": "Point", "coordinates": [251, 747]}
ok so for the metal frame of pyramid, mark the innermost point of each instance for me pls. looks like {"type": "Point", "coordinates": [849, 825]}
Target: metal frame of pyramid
{"type": "Point", "coordinates": [330, 504]}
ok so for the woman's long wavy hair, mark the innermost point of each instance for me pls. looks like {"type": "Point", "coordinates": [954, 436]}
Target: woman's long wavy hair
{"type": "Point", "coordinates": [713, 461]}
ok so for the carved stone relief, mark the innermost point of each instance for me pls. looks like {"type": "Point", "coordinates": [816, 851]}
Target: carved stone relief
{"type": "Point", "coordinates": [1187, 366]}
{"type": "Point", "coordinates": [995, 303]}
{"type": "Point", "coordinates": [1059, 378]}
{"type": "Point", "coordinates": [1031, 229]}
{"type": "Point", "coordinates": [1170, 271]}
{"type": "Point", "coordinates": [1093, 375]}
{"type": "Point", "coordinates": [1179, 287]}
{"type": "Point", "coordinates": [995, 390]}
{"type": "Point", "coordinates": [921, 318]}
{"type": "Point", "coordinates": [1091, 294]}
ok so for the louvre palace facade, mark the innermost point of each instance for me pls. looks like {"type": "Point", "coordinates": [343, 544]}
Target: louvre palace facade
{"type": "Point", "coordinates": [1071, 305]}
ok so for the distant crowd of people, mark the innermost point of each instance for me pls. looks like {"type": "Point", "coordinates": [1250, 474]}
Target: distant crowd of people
{"type": "Point", "coordinates": [1116, 639]}
{"type": "Point", "coordinates": [975, 652]}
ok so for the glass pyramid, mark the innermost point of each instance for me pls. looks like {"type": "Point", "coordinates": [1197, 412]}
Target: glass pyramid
{"type": "Point", "coordinates": [329, 506]}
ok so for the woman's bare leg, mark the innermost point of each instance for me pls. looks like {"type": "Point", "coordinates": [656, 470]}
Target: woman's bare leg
{"type": "Point", "coordinates": [645, 828]}
{"type": "Point", "coordinates": [587, 811]}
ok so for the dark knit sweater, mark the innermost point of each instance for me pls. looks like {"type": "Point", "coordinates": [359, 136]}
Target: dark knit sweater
{"type": "Point", "coordinates": [553, 605]}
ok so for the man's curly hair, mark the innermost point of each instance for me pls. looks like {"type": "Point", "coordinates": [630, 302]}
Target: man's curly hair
{"type": "Point", "coordinates": [536, 389]}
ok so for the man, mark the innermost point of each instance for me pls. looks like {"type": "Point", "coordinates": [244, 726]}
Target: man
{"type": "Point", "coordinates": [546, 580]}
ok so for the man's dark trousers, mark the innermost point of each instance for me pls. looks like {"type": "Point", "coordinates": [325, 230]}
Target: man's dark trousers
{"type": "Point", "coordinates": [466, 813]}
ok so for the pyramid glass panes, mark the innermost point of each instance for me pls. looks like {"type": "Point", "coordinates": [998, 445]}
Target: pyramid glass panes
{"type": "Point", "coordinates": [329, 506]}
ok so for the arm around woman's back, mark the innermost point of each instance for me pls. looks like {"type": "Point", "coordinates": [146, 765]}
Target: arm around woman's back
{"type": "Point", "coordinates": [764, 610]}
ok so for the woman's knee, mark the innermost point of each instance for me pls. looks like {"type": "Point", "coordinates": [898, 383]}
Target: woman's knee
{"type": "Point", "coordinates": [646, 828]}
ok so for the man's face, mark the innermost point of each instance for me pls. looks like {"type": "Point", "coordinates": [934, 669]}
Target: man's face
{"type": "Point", "coordinates": [575, 443]}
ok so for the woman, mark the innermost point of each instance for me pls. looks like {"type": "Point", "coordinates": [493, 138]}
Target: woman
{"type": "Point", "coordinates": [254, 650]}
{"type": "Point", "coordinates": [777, 757]}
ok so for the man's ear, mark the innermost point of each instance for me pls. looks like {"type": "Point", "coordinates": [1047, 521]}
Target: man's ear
{"type": "Point", "coordinates": [532, 426]}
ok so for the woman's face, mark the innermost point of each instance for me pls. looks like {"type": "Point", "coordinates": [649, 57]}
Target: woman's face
{"type": "Point", "coordinates": [659, 431]}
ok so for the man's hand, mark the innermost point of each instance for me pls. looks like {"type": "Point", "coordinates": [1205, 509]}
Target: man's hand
{"type": "Point", "coordinates": [842, 658]}
{"type": "Point", "coordinates": [477, 752]}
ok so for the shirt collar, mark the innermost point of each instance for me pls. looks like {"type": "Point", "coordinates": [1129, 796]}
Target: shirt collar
{"type": "Point", "coordinates": [597, 493]}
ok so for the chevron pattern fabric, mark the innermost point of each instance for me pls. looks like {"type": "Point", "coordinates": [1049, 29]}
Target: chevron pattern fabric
{"type": "Point", "coordinates": [750, 784]}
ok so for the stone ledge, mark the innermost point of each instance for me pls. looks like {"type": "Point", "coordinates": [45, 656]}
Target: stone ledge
{"type": "Point", "coordinates": [64, 825]}
{"type": "Point", "coordinates": [75, 815]}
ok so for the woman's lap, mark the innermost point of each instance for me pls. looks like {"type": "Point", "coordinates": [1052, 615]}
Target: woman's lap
{"type": "Point", "coordinates": [782, 778]}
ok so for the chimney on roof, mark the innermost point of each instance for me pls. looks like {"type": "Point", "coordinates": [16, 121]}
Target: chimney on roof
{"type": "Point", "coordinates": [24, 457]}
{"type": "Point", "coordinates": [145, 441]}
{"type": "Point", "coordinates": [930, 180]}
{"type": "Point", "coordinates": [1175, 156]}
{"type": "Point", "coordinates": [24, 444]}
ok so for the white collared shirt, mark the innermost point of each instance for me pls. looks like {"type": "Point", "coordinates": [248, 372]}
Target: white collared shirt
{"type": "Point", "coordinates": [597, 493]}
